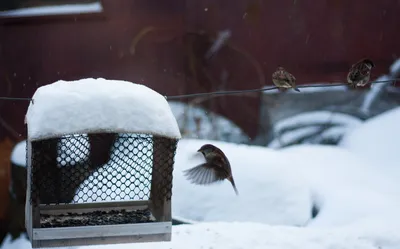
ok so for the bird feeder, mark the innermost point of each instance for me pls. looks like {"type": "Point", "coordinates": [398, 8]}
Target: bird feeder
{"type": "Point", "coordinates": [100, 157]}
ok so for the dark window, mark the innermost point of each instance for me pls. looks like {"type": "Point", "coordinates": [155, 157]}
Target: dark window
{"type": "Point", "coordinates": [32, 7]}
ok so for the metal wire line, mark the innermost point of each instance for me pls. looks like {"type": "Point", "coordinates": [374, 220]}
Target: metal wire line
{"type": "Point", "coordinates": [233, 92]}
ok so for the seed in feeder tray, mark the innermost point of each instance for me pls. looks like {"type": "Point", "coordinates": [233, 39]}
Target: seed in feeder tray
{"type": "Point", "coordinates": [96, 218]}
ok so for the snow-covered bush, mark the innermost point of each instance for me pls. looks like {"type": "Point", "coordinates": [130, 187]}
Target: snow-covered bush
{"type": "Point", "coordinates": [317, 127]}
{"type": "Point", "coordinates": [196, 122]}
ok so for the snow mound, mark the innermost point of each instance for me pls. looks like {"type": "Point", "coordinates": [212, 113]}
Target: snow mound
{"type": "Point", "coordinates": [317, 117]}
{"type": "Point", "coordinates": [98, 105]}
{"type": "Point", "coordinates": [378, 141]}
{"type": "Point", "coordinates": [293, 136]}
{"type": "Point", "coordinates": [348, 187]}
{"type": "Point", "coordinates": [269, 191]}
{"type": "Point", "coordinates": [312, 127]}
{"type": "Point", "coordinates": [280, 187]}
{"type": "Point", "coordinates": [18, 154]}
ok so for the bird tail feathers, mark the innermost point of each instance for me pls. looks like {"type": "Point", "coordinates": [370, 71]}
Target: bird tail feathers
{"type": "Point", "coordinates": [233, 185]}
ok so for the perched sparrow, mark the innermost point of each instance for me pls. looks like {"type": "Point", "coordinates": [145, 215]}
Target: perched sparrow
{"type": "Point", "coordinates": [216, 168]}
{"type": "Point", "coordinates": [360, 73]}
{"type": "Point", "coordinates": [284, 80]}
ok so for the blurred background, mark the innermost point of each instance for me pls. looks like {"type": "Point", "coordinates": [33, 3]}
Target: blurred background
{"type": "Point", "coordinates": [187, 46]}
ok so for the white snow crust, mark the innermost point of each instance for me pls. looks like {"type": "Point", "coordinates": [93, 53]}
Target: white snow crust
{"type": "Point", "coordinates": [98, 105]}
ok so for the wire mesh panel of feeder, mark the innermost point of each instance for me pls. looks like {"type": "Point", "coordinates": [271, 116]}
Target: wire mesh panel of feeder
{"type": "Point", "coordinates": [99, 187]}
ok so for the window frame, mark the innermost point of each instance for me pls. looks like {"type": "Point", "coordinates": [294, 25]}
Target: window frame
{"type": "Point", "coordinates": [94, 10]}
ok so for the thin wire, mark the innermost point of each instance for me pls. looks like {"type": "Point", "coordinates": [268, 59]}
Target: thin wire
{"type": "Point", "coordinates": [233, 92]}
{"type": "Point", "coordinates": [12, 98]}
{"type": "Point", "coordinates": [220, 93]}
{"type": "Point", "coordinates": [264, 89]}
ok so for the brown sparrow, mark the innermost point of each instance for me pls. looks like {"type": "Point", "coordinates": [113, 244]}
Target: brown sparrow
{"type": "Point", "coordinates": [216, 168]}
{"type": "Point", "coordinates": [284, 80]}
{"type": "Point", "coordinates": [360, 73]}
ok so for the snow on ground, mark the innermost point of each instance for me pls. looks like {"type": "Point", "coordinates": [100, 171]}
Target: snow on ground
{"type": "Point", "coordinates": [270, 189]}
{"type": "Point", "coordinates": [355, 186]}
{"type": "Point", "coordinates": [54, 10]}
{"type": "Point", "coordinates": [378, 141]}
{"type": "Point", "coordinates": [246, 235]}
{"type": "Point", "coordinates": [348, 187]}
{"type": "Point", "coordinates": [96, 105]}
{"type": "Point", "coordinates": [19, 243]}
{"type": "Point", "coordinates": [18, 154]}
{"type": "Point", "coordinates": [235, 235]}
{"type": "Point", "coordinates": [280, 190]}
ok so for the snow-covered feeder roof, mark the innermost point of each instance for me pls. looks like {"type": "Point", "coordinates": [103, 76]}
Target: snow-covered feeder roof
{"type": "Point", "coordinates": [98, 105]}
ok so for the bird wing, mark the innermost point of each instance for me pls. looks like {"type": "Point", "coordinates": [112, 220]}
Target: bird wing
{"type": "Point", "coordinates": [291, 76]}
{"type": "Point", "coordinates": [206, 173]}
{"type": "Point", "coordinates": [350, 77]}
{"type": "Point", "coordinates": [275, 75]}
{"type": "Point", "coordinates": [292, 80]}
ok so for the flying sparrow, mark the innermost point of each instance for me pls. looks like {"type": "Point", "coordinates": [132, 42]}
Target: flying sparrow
{"type": "Point", "coordinates": [284, 80]}
{"type": "Point", "coordinates": [360, 73]}
{"type": "Point", "coordinates": [216, 168]}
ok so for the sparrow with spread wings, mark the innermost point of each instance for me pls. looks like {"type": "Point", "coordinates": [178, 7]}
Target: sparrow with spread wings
{"type": "Point", "coordinates": [216, 168]}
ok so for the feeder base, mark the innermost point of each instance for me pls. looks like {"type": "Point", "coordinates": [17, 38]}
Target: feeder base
{"type": "Point", "coordinates": [101, 235]}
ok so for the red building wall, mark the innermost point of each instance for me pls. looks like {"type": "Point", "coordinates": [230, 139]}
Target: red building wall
{"type": "Point", "coordinates": [315, 40]}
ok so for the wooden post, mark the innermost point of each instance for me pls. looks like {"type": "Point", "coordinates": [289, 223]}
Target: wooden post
{"type": "Point", "coordinates": [161, 181]}
{"type": "Point", "coordinates": [28, 203]}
